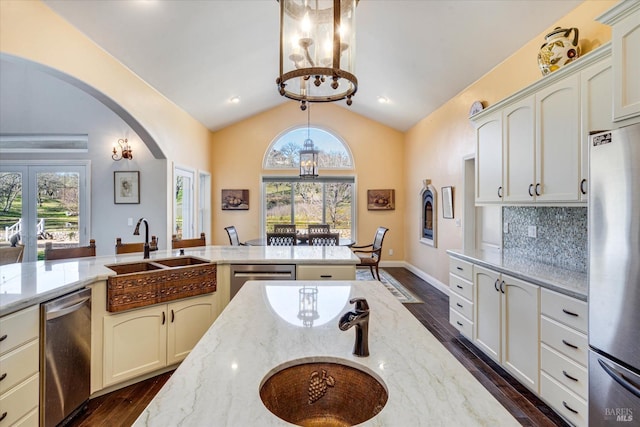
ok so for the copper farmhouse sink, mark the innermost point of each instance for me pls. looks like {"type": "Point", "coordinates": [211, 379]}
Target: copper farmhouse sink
{"type": "Point", "coordinates": [323, 394]}
{"type": "Point", "coordinates": [142, 283]}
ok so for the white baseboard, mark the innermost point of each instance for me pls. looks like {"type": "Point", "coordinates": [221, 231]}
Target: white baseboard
{"type": "Point", "coordinates": [421, 274]}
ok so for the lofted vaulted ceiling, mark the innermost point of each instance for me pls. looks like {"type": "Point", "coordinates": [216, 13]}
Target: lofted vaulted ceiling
{"type": "Point", "coordinates": [416, 53]}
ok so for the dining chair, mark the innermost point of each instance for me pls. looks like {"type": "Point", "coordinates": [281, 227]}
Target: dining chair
{"type": "Point", "coordinates": [187, 243]}
{"type": "Point", "coordinates": [281, 239]}
{"type": "Point", "coordinates": [63, 253]}
{"type": "Point", "coordinates": [371, 257]}
{"type": "Point", "coordinates": [318, 228]}
{"type": "Point", "coordinates": [284, 228]}
{"type": "Point", "coordinates": [234, 239]}
{"type": "Point", "coordinates": [324, 239]}
{"type": "Point", "coordinates": [127, 248]}
{"type": "Point", "coordinates": [11, 254]}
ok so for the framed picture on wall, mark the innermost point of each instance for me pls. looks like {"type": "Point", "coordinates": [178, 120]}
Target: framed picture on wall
{"type": "Point", "coordinates": [126, 187]}
{"type": "Point", "coordinates": [235, 200]}
{"type": "Point", "coordinates": [447, 202]}
{"type": "Point", "coordinates": [381, 200]}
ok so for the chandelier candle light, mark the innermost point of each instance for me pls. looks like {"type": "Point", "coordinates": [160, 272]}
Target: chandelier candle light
{"type": "Point", "coordinates": [317, 50]}
{"type": "Point", "coordinates": [125, 150]}
{"type": "Point", "coordinates": [308, 154]}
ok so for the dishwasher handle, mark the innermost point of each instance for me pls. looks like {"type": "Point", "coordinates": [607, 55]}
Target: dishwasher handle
{"type": "Point", "coordinates": [257, 274]}
{"type": "Point", "coordinates": [63, 311]}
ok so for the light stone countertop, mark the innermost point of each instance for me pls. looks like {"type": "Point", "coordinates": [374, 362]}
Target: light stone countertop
{"type": "Point", "coordinates": [572, 283]}
{"type": "Point", "coordinates": [218, 383]}
{"type": "Point", "coordinates": [29, 283]}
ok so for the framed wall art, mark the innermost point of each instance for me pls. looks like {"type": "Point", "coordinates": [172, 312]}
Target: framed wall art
{"type": "Point", "coordinates": [381, 200]}
{"type": "Point", "coordinates": [126, 187]}
{"type": "Point", "coordinates": [235, 200]}
{"type": "Point", "coordinates": [447, 202]}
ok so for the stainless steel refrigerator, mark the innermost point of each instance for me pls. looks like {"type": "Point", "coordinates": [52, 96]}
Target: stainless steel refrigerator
{"type": "Point", "coordinates": [614, 278]}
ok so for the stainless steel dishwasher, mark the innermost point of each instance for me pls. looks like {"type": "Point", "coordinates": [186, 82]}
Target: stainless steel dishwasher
{"type": "Point", "coordinates": [65, 356]}
{"type": "Point", "coordinates": [241, 273]}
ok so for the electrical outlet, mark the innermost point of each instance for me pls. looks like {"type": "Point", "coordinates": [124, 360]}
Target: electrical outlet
{"type": "Point", "coordinates": [390, 251]}
{"type": "Point", "coordinates": [505, 228]}
{"type": "Point", "coordinates": [458, 223]}
{"type": "Point", "coordinates": [533, 231]}
{"type": "Point", "coordinates": [130, 222]}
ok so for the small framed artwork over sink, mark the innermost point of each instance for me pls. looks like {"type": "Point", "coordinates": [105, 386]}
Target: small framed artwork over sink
{"type": "Point", "coordinates": [126, 187]}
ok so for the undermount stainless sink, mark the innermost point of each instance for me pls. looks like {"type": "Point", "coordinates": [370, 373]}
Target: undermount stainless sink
{"type": "Point", "coordinates": [323, 394]}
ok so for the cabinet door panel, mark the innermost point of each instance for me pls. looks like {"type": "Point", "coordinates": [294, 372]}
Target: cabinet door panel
{"type": "Point", "coordinates": [188, 321]}
{"type": "Point", "coordinates": [489, 160]}
{"type": "Point", "coordinates": [521, 330]}
{"type": "Point", "coordinates": [626, 54]}
{"type": "Point", "coordinates": [519, 151]}
{"type": "Point", "coordinates": [558, 141]}
{"type": "Point", "coordinates": [135, 343]}
{"type": "Point", "coordinates": [488, 308]}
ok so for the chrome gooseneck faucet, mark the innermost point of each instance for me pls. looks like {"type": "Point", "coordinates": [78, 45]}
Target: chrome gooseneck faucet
{"type": "Point", "coordinates": [359, 318]}
{"type": "Point", "coordinates": [136, 232]}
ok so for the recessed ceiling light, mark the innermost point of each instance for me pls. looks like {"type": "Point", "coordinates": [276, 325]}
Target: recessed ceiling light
{"type": "Point", "coordinates": [383, 100]}
{"type": "Point", "coordinates": [234, 99]}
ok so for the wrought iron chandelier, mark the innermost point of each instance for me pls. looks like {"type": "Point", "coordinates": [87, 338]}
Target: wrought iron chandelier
{"type": "Point", "coordinates": [317, 50]}
{"type": "Point", "coordinates": [308, 154]}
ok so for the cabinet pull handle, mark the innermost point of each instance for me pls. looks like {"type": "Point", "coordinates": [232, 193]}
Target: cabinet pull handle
{"type": "Point", "coordinates": [163, 318]}
{"type": "Point", "coordinates": [495, 285]}
{"type": "Point", "coordinates": [500, 192]}
{"type": "Point", "coordinates": [502, 286]}
{"type": "Point", "coordinates": [3, 416]}
{"type": "Point", "coordinates": [569, 376]}
{"type": "Point", "coordinates": [564, 310]}
{"type": "Point", "coordinates": [3, 376]}
{"type": "Point", "coordinates": [458, 304]}
{"type": "Point", "coordinates": [459, 268]}
{"type": "Point", "coordinates": [459, 287]}
{"type": "Point", "coordinates": [458, 322]}
{"type": "Point", "coordinates": [4, 337]}
{"type": "Point", "coordinates": [531, 190]}
{"type": "Point", "coordinates": [326, 276]}
{"type": "Point", "coordinates": [582, 183]}
{"type": "Point", "coordinates": [173, 315]}
{"type": "Point", "coordinates": [569, 407]}
{"type": "Point", "coordinates": [568, 344]}
{"type": "Point", "coordinates": [538, 189]}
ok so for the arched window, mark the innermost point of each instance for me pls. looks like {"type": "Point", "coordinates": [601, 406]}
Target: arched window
{"type": "Point", "coordinates": [284, 151]}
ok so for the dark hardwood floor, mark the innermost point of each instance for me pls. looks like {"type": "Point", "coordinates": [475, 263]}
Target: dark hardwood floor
{"type": "Point", "coordinates": [122, 407]}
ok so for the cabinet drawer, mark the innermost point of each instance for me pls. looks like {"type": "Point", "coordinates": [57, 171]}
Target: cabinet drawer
{"type": "Point", "coordinates": [20, 400]}
{"type": "Point", "coordinates": [567, 341]}
{"type": "Point", "coordinates": [563, 401]}
{"type": "Point", "coordinates": [461, 305]}
{"type": "Point", "coordinates": [19, 327]}
{"type": "Point", "coordinates": [564, 309]}
{"type": "Point", "coordinates": [461, 268]}
{"type": "Point", "coordinates": [461, 323]}
{"type": "Point", "coordinates": [565, 371]}
{"type": "Point", "coordinates": [461, 286]}
{"type": "Point", "coordinates": [19, 365]}
{"type": "Point", "coordinates": [32, 419]}
{"type": "Point", "coordinates": [326, 272]}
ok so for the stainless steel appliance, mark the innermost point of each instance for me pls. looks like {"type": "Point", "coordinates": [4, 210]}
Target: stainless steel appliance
{"type": "Point", "coordinates": [614, 278]}
{"type": "Point", "coordinates": [65, 356]}
{"type": "Point", "coordinates": [241, 273]}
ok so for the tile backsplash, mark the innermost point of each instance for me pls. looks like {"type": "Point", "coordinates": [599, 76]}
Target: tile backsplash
{"type": "Point", "coordinates": [561, 235]}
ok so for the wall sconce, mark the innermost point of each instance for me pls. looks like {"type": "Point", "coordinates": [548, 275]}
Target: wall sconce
{"type": "Point", "coordinates": [125, 150]}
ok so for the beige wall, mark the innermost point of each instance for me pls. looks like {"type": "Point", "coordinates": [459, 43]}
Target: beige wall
{"type": "Point", "coordinates": [378, 153]}
{"type": "Point", "coordinates": [435, 146]}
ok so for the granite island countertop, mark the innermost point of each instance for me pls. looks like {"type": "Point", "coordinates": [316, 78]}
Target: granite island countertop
{"type": "Point", "coordinates": [30, 283]}
{"type": "Point", "coordinates": [572, 283]}
{"type": "Point", "coordinates": [218, 383]}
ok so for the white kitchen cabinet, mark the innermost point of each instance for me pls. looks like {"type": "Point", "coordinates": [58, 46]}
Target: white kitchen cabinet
{"type": "Point", "coordinates": [596, 98]}
{"type": "Point", "coordinates": [625, 46]}
{"type": "Point", "coordinates": [519, 148]}
{"type": "Point", "coordinates": [150, 338]}
{"type": "Point", "coordinates": [489, 159]}
{"type": "Point", "coordinates": [461, 307]}
{"type": "Point", "coordinates": [507, 312]}
{"type": "Point", "coordinates": [558, 141]}
{"type": "Point", "coordinates": [20, 367]}
{"type": "Point", "coordinates": [326, 272]}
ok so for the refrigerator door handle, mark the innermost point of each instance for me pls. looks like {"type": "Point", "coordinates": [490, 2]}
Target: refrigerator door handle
{"type": "Point", "coordinates": [620, 378]}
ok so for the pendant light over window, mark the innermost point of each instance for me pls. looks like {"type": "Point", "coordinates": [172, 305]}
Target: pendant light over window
{"type": "Point", "coordinates": [317, 50]}
{"type": "Point", "coordinates": [308, 154]}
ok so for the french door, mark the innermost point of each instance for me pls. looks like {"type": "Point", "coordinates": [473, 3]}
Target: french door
{"type": "Point", "coordinates": [44, 201]}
